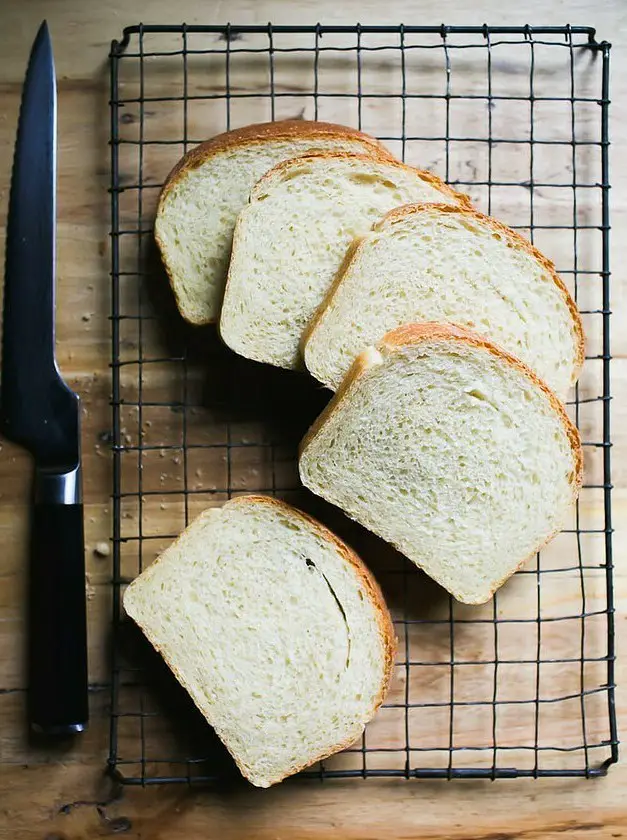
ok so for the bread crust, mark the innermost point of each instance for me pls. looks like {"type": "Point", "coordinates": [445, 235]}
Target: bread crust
{"type": "Point", "coordinates": [412, 334]}
{"type": "Point", "coordinates": [251, 135]}
{"type": "Point", "coordinates": [429, 177]}
{"type": "Point", "coordinates": [383, 618]}
{"type": "Point", "coordinates": [469, 212]}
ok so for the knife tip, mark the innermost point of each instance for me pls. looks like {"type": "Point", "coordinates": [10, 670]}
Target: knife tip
{"type": "Point", "coordinates": [44, 31]}
{"type": "Point", "coordinates": [42, 45]}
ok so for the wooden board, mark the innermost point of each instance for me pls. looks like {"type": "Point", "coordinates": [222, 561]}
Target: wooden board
{"type": "Point", "coordinates": [34, 783]}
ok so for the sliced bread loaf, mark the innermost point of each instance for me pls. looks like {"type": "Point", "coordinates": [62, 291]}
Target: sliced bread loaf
{"type": "Point", "coordinates": [290, 241]}
{"type": "Point", "coordinates": [206, 190]}
{"type": "Point", "coordinates": [431, 262]}
{"type": "Point", "coordinates": [450, 449]}
{"type": "Point", "coordinates": [276, 629]}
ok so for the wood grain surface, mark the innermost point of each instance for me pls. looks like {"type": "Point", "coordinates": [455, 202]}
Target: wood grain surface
{"type": "Point", "coordinates": [64, 793]}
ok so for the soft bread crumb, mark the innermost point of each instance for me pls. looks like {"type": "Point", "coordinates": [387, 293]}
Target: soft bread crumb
{"type": "Point", "coordinates": [430, 262]}
{"type": "Point", "coordinates": [451, 450]}
{"type": "Point", "coordinates": [290, 241]}
{"type": "Point", "coordinates": [274, 627]}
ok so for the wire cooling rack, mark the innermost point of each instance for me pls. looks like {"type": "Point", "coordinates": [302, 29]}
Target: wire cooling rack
{"type": "Point", "coordinates": [517, 117]}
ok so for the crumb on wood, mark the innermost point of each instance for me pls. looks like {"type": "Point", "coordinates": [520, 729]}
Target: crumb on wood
{"type": "Point", "coordinates": [102, 549]}
{"type": "Point", "coordinates": [118, 825]}
{"type": "Point", "coordinates": [113, 825]}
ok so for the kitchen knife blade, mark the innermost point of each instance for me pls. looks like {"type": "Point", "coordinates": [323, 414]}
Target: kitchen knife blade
{"type": "Point", "coordinates": [40, 412]}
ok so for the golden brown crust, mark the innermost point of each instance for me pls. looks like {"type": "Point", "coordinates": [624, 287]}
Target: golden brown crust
{"type": "Point", "coordinates": [248, 136]}
{"type": "Point", "coordinates": [429, 177]}
{"type": "Point", "coordinates": [384, 620]}
{"type": "Point", "coordinates": [411, 334]}
{"type": "Point", "coordinates": [251, 135]}
{"type": "Point", "coordinates": [512, 236]}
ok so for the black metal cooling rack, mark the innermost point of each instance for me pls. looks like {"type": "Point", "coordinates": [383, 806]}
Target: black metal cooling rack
{"type": "Point", "coordinates": [517, 116]}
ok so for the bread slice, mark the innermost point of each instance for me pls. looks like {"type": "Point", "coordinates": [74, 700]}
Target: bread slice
{"type": "Point", "coordinates": [206, 190]}
{"type": "Point", "coordinates": [452, 450]}
{"type": "Point", "coordinates": [432, 262]}
{"type": "Point", "coordinates": [276, 629]}
{"type": "Point", "coordinates": [290, 241]}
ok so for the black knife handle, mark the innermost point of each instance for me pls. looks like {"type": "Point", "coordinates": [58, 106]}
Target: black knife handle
{"type": "Point", "coordinates": [57, 633]}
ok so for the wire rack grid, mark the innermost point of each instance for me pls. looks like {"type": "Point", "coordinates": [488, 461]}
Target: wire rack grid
{"type": "Point", "coordinates": [517, 117]}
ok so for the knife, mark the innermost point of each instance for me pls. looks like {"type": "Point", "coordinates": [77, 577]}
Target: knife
{"type": "Point", "coordinates": [40, 412]}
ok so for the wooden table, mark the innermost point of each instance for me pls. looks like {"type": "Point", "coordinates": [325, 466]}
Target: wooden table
{"type": "Point", "coordinates": [65, 793]}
